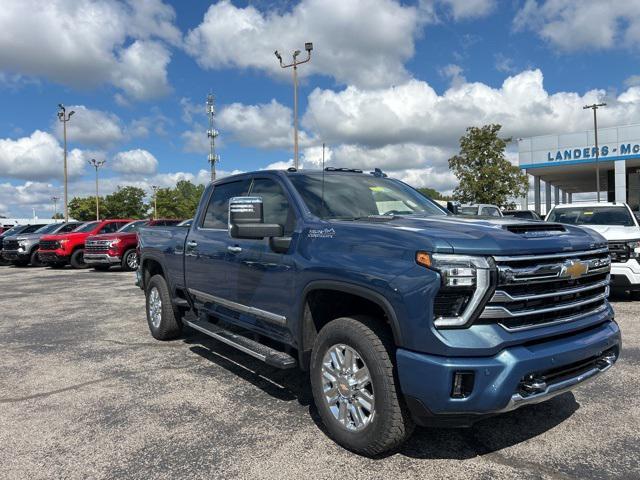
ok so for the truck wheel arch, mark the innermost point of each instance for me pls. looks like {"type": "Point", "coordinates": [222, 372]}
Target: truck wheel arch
{"type": "Point", "coordinates": [370, 298]}
{"type": "Point", "coordinates": [150, 267]}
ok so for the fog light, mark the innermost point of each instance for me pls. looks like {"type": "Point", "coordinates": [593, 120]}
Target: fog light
{"type": "Point", "coordinates": [462, 384]}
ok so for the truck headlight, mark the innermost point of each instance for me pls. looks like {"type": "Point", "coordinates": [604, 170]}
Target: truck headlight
{"type": "Point", "coordinates": [634, 248]}
{"type": "Point", "coordinates": [466, 282]}
{"type": "Point", "coordinates": [114, 242]}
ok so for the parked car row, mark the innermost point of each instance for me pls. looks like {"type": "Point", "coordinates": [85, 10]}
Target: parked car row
{"type": "Point", "coordinates": [97, 244]}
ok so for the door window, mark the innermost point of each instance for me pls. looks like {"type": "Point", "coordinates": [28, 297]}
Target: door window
{"type": "Point", "coordinates": [275, 206]}
{"type": "Point", "coordinates": [217, 214]}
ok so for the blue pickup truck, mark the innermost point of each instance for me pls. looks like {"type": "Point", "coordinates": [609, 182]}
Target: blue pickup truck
{"type": "Point", "coordinates": [402, 313]}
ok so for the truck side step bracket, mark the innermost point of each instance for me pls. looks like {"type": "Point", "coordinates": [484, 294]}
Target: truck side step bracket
{"type": "Point", "coordinates": [268, 355]}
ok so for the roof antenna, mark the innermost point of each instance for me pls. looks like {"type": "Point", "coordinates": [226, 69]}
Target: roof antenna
{"type": "Point", "coordinates": [322, 204]}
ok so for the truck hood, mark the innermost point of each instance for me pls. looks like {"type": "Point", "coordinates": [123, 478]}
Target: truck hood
{"type": "Point", "coordinates": [499, 236]}
{"type": "Point", "coordinates": [112, 236]}
{"type": "Point", "coordinates": [69, 236]}
{"type": "Point", "coordinates": [616, 232]}
{"type": "Point", "coordinates": [28, 236]}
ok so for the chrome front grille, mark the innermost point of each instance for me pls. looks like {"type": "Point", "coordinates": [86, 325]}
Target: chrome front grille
{"type": "Point", "coordinates": [97, 246]}
{"type": "Point", "coordinates": [535, 291]}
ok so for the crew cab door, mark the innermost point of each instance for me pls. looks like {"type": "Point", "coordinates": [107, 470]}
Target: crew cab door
{"type": "Point", "coordinates": [259, 277]}
{"type": "Point", "coordinates": [205, 257]}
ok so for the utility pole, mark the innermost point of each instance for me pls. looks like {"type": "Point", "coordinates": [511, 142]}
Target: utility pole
{"type": "Point", "coordinates": [595, 107]}
{"type": "Point", "coordinates": [308, 47]}
{"type": "Point", "coordinates": [212, 133]}
{"type": "Point", "coordinates": [64, 118]}
{"type": "Point", "coordinates": [155, 201]}
{"type": "Point", "coordinates": [97, 164]}
{"type": "Point", "coordinates": [55, 206]}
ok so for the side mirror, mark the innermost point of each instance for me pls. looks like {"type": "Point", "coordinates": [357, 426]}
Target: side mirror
{"type": "Point", "coordinates": [246, 219]}
{"type": "Point", "coordinates": [453, 207]}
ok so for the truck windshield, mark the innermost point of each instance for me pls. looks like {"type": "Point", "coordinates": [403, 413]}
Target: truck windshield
{"type": "Point", "coordinates": [619, 216]}
{"type": "Point", "coordinates": [348, 197]}
{"type": "Point", "coordinates": [133, 226]}
{"type": "Point", "coordinates": [48, 228]}
{"type": "Point", "coordinates": [87, 227]}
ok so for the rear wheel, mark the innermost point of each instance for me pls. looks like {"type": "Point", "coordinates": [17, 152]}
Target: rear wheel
{"type": "Point", "coordinates": [77, 259]}
{"type": "Point", "coordinates": [130, 261]}
{"type": "Point", "coordinates": [355, 386]}
{"type": "Point", "coordinates": [34, 260]}
{"type": "Point", "coordinates": [163, 319]}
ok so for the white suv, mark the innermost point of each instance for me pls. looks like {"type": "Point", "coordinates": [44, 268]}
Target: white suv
{"type": "Point", "coordinates": [615, 222]}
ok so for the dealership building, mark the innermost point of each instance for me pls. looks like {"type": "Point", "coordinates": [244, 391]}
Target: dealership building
{"type": "Point", "coordinates": [566, 164]}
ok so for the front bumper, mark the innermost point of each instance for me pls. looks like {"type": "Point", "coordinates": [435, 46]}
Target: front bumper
{"type": "Point", "coordinates": [100, 259]}
{"type": "Point", "coordinates": [626, 276]}
{"type": "Point", "coordinates": [426, 380]}
{"type": "Point", "coordinates": [15, 255]}
{"type": "Point", "coordinates": [52, 256]}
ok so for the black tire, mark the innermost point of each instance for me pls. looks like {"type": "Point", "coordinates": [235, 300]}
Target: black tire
{"type": "Point", "coordinates": [34, 260]}
{"type": "Point", "coordinates": [128, 264]}
{"type": "Point", "coordinates": [101, 268]}
{"type": "Point", "coordinates": [77, 259]}
{"type": "Point", "coordinates": [170, 325]}
{"type": "Point", "coordinates": [391, 424]}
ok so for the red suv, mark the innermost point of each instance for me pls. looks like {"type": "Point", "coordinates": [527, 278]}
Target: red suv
{"type": "Point", "coordinates": [59, 250]}
{"type": "Point", "coordinates": [107, 249]}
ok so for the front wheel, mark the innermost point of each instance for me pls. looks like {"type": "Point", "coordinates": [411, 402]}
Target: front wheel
{"type": "Point", "coordinates": [35, 259]}
{"type": "Point", "coordinates": [130, 261]}
{"type": "Point", "coordinates": [77, 259]}
{"type": "Point", "coordinates": [355, 386]}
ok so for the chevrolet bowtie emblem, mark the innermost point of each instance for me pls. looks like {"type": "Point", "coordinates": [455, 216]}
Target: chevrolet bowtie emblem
{"type": "Point", "coordinates": [574, 269]}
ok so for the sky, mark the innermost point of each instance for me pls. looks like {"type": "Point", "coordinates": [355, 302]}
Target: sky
{"type": "Point", "coordinates": [391, 84]}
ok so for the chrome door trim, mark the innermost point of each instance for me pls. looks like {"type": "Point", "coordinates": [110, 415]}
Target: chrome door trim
{"type": "Point", "coordinates": [256, 312]}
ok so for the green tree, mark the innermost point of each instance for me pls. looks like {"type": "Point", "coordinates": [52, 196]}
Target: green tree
{"type": "Point", "coordinates": [433, 194]}
{"type": "Point", "coordinates": [484, 173]}
{"type": "Point", "coordinates": [57, 216]}
{"type": "Point", "coordinates": [125, 202]}
{"type": "Point", "coordinates": [83, 208]}
{"type": "Point", "coordinates": [178, 202]}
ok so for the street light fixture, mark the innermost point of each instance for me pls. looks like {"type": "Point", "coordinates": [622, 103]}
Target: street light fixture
{"type": "Point", "coordinates": [595, 107]}
{"type": "Point", "coordinates": [308, 47]}
{"type": "Point", "coordinates": [97, 164]}
{"type": "Point", "coordinates": [155, 201]}
{"type": "Point", "coordinates": [64, 118]}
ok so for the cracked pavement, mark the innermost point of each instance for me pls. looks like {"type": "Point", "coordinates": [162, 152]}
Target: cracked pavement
{"type": "Point", "coordinates": [86, 392]}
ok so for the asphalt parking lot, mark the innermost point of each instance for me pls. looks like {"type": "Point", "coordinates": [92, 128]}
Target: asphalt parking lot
{"type": "Point", "coordinates": [86, 392]}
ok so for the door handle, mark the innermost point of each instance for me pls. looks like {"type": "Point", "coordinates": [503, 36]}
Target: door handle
{"type": "Point", "coordinates": [234, 249]}
{"type": "Point", "coordinates": [192, 244]}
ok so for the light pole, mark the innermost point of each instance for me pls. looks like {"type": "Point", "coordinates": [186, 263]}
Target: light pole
{"type": "Point", "coordinates": [64, 118]}
{"type": "Point", "coordinates": [97, 164]}
{"type": "Point", "coordinates": [212, 133]}
{"type": "Point", "coordinates": [55, 206]}
{"type": "Point", "coordinates": [308, 47]}
{"type": "Point", "coordinates": [155, 201]}
{"type": "Point", "coordinates": [595, 107]}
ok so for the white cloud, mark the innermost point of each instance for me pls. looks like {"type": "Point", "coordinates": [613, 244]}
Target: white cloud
{"type": "Point", "coordinates": [454, 74]}
{"type": "Point", "coordinates": [572, 25]}
{"type": "Point", "coordinates": [268, 125]}
{"type": "Point", "coordinates": [361, 42]}
{"type": "Point", "coordinates": [38, 157]}
{"type": "Point", "coordinates": [135, 162]}
{"type": "Point", "coordinates": [91, 127]}
{"type": "Point", "coordinates": [415, 113]}
{"type": "Point", "coordinates": [196, 140]}
{"type": "Point", "coordinates": [86, 43]}
{"type": "Point", "coordinates": [19, 200]}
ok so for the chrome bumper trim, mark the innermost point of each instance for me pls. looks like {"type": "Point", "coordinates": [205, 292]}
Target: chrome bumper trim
{"type": "Point", "coordinates": [100, 258]}
{"type": "Point", "coordinates": [517, 400]}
